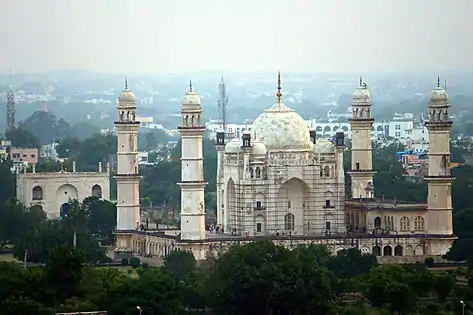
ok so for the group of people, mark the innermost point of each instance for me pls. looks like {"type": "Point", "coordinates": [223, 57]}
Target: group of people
{"type": "Point", "coordinates": [216, 228]}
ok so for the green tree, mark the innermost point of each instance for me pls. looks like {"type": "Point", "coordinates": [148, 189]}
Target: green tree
{"type": "Point", "coordinates": [151, 139]}
{"type": "Point", "coordinates": [22, 138]}
{"type": "Point", "coordinates": [180, 264]}
{"type": "Point", "coordinates": [16, 220]}
{"type": "Point", "coordinates": [68, 147]}
{"type": "Point", "coordinates": [46, 127]}
{"type": "Point", "coordinates": [262, 278]}
{"type": "Point", "coordinates": [83, 130]}
{"type": "Point", "coordinates": [101, 218]}
{"type": "Point", "coordinates": [388, 286]}
{"type": "Point", "coordinates": [7, 182]}
{"type": "Point", "coordinates": [351, 263]}
{"type": "Point", "coordinates": [37, 243]}
{"type": "Point", "coordinates": [319, 255]}
{"type": "Point", "coordinates": [64, 268]}
{"type": "Point", "coordinates": [94, 150]}
{"type": "Point", "coordinates": [154, 291]}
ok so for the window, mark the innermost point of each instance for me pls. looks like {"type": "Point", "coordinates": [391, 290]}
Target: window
{"type": "Point", "coordinates": [258, 227]}
{"type": "Point", "coordinates": [258, 205]}
{"type": "Point", "coordinates": [397, 134]}
{"type": "Point", "coordinates": [289, 222]}
{"type": "Point", "coordinates": [327, 225]}
{"type": "Point", "coordinates": [397, 127]}
{"type": "Point", "coordinates": [327, 171]}
{"type": "Point", "coordinates": [37, 193]}
{"type": "Point", "coordinates": [357, 166]}
{"type": "Point", "coordinates": [289, 204]}
{"type": "Point", "coordinates": [327, 203]}
{"type": "Point", "coordinates": [419, 224]}
{"type": "Point", "coordinates": [405, 224]}
{"type": "Point", "coordinates": [377, 223]}
{"type": "Point", "coordinates": [258, 172]}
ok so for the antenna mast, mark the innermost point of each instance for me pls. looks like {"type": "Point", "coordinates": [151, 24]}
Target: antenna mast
{"type": "Point", "coordinates": [222, 104]}
{"type": "Point", "coordinates": [10, 108]}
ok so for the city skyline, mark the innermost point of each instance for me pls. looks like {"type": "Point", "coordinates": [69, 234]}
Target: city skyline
{"type": "Point", "coordinates": [183, 36]}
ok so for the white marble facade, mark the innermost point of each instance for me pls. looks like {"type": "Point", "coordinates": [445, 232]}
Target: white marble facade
{"type": "Point", "coordinates": [277, 179]}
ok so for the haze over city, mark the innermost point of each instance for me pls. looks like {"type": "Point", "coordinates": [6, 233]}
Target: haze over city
{"type": "Point", "coordinates": [147, 36]}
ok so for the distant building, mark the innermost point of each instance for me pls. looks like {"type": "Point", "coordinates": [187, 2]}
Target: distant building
{"type": "Point", "coordinates": [27, 156]}
{"type": "Point", "coordinates": [48, 151]}
{"type": "Point", "coordinates": [53, 191]}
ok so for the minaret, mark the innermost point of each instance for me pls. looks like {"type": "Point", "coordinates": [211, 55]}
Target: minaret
{"type": "Point", "coordinates": [128, 180]}
{"type": "Point", "coordinates": [192, 169]}
{"type": "Point", "coordinates": [439, 179]}
{"type": "Point", "coordinates": [361, 172]}
{"type": "Point", "coordinates": [220, 146]}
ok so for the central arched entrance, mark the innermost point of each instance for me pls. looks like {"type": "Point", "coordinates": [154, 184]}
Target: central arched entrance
{"type": "Point", "coordinates": [65, 210]}
{"type": "Point", "coordinates": [292, 202]}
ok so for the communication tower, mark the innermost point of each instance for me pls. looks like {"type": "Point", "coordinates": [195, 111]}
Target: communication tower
{"type": "Point", "coordinates": [10, 110]}
{"type": "Point", "coordinates": [222, 104]}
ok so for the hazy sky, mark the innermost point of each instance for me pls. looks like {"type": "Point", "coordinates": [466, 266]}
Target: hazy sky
{"type": "Point", "coordinates": [186, 35]}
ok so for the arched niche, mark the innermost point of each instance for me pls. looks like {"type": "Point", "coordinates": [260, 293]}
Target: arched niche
{"type": "Point", "coordinates": [37, 193]}
{"type": "Point", "coordinates": [96, 191]}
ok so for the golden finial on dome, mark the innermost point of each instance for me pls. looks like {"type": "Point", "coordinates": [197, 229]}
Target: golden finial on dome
{"type": "Point", "coordinates": [279, 94]}
{"type": "Point", "coordinates": [126, 83]}
{"type": "Point", "coordinates": [190, 86]}
{"type": "Point", "coordinates": [361, 81]}
{"type": "Point", "coordinates": [438, 80]}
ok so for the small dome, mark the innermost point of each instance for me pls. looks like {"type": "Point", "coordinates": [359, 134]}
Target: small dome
{"type": "Point", "coordinates": [233, 146]}
{"type": "Point", "coordinates": [361, 94]}
{"type": "Point", "coordinates": [126, 96]}
{"type": "Point", "coordinates": [438, 96]}
{"type": "Point", "coordinates": [191, 98]}
{"type": "Point", "coordinates": [324, 146]}
{"type": "Point", "coordinates": [258, 148]}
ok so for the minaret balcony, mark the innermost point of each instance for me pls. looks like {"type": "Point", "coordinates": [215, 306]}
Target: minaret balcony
{"type": "Point", "coordinates": [127, 122]}
{"type": "Point", "coordinates": [190, 128]}
{"type": "Point", "coordinates": [361, 171]}
{"type": "Point", "coordinates": [360, 119]}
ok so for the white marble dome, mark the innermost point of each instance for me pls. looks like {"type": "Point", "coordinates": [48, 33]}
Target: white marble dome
{"type": "Point", "coordinates": [233, 146]}
{"type": "Point", "coordinates": [126, 96]}
{"type": "Point", "coordinates": [361, 94]}
{"type": "Point", "coordinates": [324, 146]}
{"type": "Point", "coordinates": [280, 127]}
{"type": "Point", "coordinates": [191, 98]}
{"type": "Point", "coordinates": [258, 148]}
{"type": "Point", "coordinates": [438, 95]}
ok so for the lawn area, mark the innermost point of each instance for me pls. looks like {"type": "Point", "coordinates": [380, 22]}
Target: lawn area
{"type": "Point", "coordinates": [8, 258]}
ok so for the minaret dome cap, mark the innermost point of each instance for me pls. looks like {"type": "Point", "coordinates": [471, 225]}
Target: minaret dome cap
{"type": "Point", "coordinates": [126, 95]}
{"type": "Point", "coordinates": [438, 95]}
{"type": "Point", "coordinates": [191, 98]}
{"type": "Point", "coordinates": [361, 93]}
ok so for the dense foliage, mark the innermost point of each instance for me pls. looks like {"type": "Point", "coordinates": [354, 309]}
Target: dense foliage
{"type": "Point", "coordinates": [258, 278]}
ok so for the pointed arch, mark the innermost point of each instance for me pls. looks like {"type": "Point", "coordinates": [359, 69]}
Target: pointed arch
{"type": "Point", "coordinates": [37, 193]}
{"type": "Point", "coordinates": [292, 197]}
{"type": "Point", "coordinates": [231, 205]}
